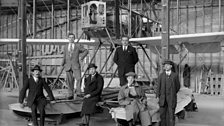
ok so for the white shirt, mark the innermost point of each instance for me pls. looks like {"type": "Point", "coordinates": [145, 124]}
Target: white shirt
{"type": "Point", "coordinates": [35, 79]}
{"type": "Point", "coordinates": [71, 46]}
{"type": "Point", "coordinates": [92, 76]}
{"type": "Point", "coordinates": [168, 72]}
{"type": "Point", "coordinates": [125, 48]}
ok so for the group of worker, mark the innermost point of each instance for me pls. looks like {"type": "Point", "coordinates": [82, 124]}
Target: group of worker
{"type": "Point", "coordinates": [131, 95]}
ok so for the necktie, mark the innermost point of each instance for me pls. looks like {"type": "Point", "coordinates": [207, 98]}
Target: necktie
{"type": "Point", "coordinates": [70, 48]}
{"type": "Point", "coordinates": [91, 77]}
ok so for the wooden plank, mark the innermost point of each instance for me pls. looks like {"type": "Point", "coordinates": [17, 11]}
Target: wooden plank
{"type": "Point", "coordinates": [9, 3]}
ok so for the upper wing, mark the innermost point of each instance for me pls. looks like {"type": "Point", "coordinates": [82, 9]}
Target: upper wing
{"type": "Point", "coordinates": [177, 39]}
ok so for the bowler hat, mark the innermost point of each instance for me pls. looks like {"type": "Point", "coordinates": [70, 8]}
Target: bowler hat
{"type": "Point", "coordinates": [168, 62]}
{"type": "Point", "coordinates": [92, 65]}
{"type": "Point", "coordinates": [36, 67]}
{"type": "Point", "coordinates": [130, 74]}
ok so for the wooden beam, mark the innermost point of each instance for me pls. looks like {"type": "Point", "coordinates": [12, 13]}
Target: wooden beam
{"type": "Point", "coordinates": [22, 41]}
{"type": "Point", "coordinates": [178, 18]}
{"type": "Point", "coordinates": [220, 16]}
{"type": "Point", "coordinates": [34, 19]}
{"type": "Point", "coordinates": [211, 19]}
{"type": "Point", "coordinates": [52, 19]}
{"type": "Point", "coordinates": [68, 16]}
{"type": "Point", "coordinates": [129, 19]}
{"type": "Point", "coordinates": [165, 29]}
{"type": "Point", "coordinates": [117, 18]}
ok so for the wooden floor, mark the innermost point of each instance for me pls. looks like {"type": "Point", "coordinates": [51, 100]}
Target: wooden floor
{"type": "Point", "coordinates": [210, 113]}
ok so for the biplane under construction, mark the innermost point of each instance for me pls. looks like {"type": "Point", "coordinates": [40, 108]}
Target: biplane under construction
{"type": "Point", "coordinates": [96, 28]}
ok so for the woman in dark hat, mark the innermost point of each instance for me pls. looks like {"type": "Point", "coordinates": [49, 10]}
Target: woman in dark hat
{"type": "Point", "coordinates": [36, 99]}
{"type": "Point", "coordinates": [92, 93]}
{"type": "Point", "coordinates": [133, 98]}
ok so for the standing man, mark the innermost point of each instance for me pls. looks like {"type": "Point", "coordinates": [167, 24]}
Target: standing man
{"type": "Point", "coordinates": [125, 57]}
{"type": "Point", "coordinates": [36, 98]}
{"type": "Point", "coordinates": [93, 90]}
{"type": "Point", "coordinates": [71, 63]}
{"type": "Point", "coordinates": [168, 86]}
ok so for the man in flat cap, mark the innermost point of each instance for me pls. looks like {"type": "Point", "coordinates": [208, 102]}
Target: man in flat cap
{"type": "Point", "coordinates": [132, 97]}
{"type": "Point", "coordinates": [36, 99]}
{"type": "Point", "coordinates": [168, 86]}
{"type": "Point", "coordinates": [92, 94]}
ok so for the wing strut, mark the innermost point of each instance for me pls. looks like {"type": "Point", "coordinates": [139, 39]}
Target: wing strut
{"type": "Point", "coordinates": [150, 60]}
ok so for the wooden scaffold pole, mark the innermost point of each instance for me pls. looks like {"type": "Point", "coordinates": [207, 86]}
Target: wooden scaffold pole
{"type": "Point", "coordinates": [22, 42]}
{"type": "Point", "coordinates": [165, 29]}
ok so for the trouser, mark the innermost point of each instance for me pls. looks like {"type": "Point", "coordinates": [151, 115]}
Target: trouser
{"type": "Point", "coordinates": [167, 115]}
{"type": "Point", "coordinates": [121, 75]}
{"type": "Point", "coordinates": [71, 75]}
{"type": "Point", "coordinates": [86, 119]}
{"type": "Point", "coordinates": [123, 80]}
{"type": "Point", "coordinates": [40, 104]}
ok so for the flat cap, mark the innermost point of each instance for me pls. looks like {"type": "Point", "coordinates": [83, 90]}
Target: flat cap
{"type": "Point", "coordinates": [130, 74]}
{"type": "Point", "coordinates": [92, 65]}
{"type": "Point", "coordinates": [168, 62]}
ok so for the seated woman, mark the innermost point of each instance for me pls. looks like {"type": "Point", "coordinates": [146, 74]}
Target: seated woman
{"type": "Point", "coordinates": [132, 97]}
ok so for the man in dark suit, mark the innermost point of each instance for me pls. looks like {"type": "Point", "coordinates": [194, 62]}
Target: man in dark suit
{"type": "Point", "coordinates": [36, 98]}
{"type": "Point", "coordinates": [125, 57]}
{"type": "Point", "coordinates": [93, 89]}
{"type": "Point", "coordinates": [71, 63]}
{"type": "Point", "coordinates": [168, 86]}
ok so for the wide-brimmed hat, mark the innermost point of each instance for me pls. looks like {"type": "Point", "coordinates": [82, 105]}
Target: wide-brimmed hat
{"type": "Point", "coordinates": [167, 62]}
{"type": "Point", "coordinates": [130, 74]}
{"type": "Point", "coordinates": [36, 67]}
{"type": "Point", "coordinates": [92, 65]}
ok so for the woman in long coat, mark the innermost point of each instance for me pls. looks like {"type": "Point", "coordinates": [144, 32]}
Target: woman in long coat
{"type": "Point", "coordinates": [93, 90]}
{"type": "Point", "coordinates": [132, 97]}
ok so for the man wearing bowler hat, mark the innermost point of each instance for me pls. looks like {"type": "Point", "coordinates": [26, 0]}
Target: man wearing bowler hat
{"type": "Point", "coordinates": [168, 86]}
{"type": "Point", "coordinates": [36, 99]}
{"type": "Point", "coordinates": [92, 94]}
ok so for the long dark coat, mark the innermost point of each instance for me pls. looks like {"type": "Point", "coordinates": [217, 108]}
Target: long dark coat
{"type": "Point", "coordinates": [125, 60]}
{"type": "Point", "coordinates": [171, 93]}
{"type": "Point", "coordinates": [35, 91]}
{"type": "Point", "coordinates": [93, 87]}
{"type": "Point", "coordinates": [167, 89]}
